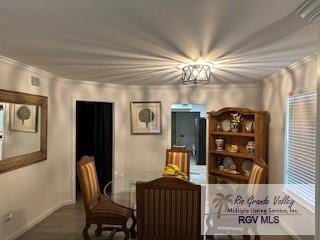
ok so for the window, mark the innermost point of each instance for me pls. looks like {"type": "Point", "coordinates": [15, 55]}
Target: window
{"type": "Point", "coordinates": [300, 154]}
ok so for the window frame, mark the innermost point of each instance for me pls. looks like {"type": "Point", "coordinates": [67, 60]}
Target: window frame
{"type": "Point", "coordinates": [300, 199]}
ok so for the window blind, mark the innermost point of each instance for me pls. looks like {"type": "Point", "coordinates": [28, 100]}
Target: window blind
{"type": "Point", "coordinates": [300, 169]}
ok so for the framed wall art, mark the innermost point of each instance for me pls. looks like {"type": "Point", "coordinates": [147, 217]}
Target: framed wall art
{"type": "Point", "coordinates": [145, 117]}
{"type": "Point", "coordinates": [23, 118]}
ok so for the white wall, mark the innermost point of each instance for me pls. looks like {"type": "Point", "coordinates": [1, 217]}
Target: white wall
{"type": "Point", "coordinates": [299, 77]}
{"type": "Point", "coordinates": [296, 78]}
{"type": "Point", "coordinates": [154, 146]}
{"type": "Point", "coordinates": [33, 192]}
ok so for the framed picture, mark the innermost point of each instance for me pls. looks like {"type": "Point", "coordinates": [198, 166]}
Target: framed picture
{"type": "Point", "coordinates": [145, 117]}
{"type": "Point", "coordinates": [23, 118]}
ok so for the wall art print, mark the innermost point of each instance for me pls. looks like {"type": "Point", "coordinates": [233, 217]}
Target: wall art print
{"type": "Point", "coordinates": [145, 117]}
{"type": "Point", "coordinates": [23, 118]}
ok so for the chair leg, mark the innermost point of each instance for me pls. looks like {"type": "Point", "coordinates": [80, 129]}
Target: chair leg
{"type": "Point", "coordinates": [126, 233]}
{"type": "Point", "coordinates": [98, 231]}
{"type": "Point", "coordinates": [133, 231]}
{"type": "Point", "coordinates": [85, 233]}
{"type": "Point", "coordinates": [256, 237]}
{"type": "Point", "coordinates": [113, 232]}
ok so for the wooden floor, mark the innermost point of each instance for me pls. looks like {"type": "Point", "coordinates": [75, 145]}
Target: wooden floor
{"type": "Point", "coordinates": [67, 224]}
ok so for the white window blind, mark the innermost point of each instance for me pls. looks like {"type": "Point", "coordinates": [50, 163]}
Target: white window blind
{"type": "Point", "coordinates": [301, 145]}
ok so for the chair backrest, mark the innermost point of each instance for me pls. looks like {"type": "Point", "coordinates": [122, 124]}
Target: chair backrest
{"type": "Point", "coordinates": [258, 174]}
{"type": "Point", "coordinates": [179, 157]}
{"type": "Point", "coordinates": [88, 181]}
{"type": "Point", "coordinates": [168, 208]}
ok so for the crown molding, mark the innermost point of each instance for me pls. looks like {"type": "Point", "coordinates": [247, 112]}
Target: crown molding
{"type": "Point", "coordinates": [29, 68]}
{"type": "Point", "coordinates": [40, 72]}
{"type": "Point", "coordinates": [293, 66]}
{"type": "Point", "coordinates": [91, 83]}
{"type": "Point", "coordinates": [195, 87]}
{"type": "Point", "coordinates": [164, 87]}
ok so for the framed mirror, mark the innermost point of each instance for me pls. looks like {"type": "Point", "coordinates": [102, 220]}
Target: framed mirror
{"type": "Point", "coordinates": [23, 129]}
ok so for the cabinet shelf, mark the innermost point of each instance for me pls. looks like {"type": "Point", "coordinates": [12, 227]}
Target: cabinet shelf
{"type": "Point", "coordinates": [236, 154]}
{"type": "Point", "coordinates": [240, 134]}
{"type": "Point", "coordinates": [229, 175]}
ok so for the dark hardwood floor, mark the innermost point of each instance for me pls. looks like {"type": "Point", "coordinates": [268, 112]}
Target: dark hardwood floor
{"type": "Point", "coordinates": [67, 223]}
{"type": "Point", "coordinates": [64, 224]}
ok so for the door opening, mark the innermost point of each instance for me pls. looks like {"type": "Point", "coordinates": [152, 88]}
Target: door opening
{"type": "Point", "coordinates": [94, 137]}
{"type": "Point", "coordinates": [188, 131]}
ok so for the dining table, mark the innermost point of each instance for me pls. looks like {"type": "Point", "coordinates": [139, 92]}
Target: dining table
{"type": "Point", "coordinates": [122, 189]}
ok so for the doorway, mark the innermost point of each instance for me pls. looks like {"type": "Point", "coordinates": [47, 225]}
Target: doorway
{"type": "Point", "coordinates": [94, 137]}
{"type": "Point", "coordinates": [188, 131]}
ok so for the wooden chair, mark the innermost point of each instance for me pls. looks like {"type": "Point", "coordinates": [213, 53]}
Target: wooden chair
{"type": "Point", "coordinates": [168, 208]}
{"type": "Point", "coordinates": [258, 175]}
{"type": "Point", "coordinates": [99, 210]}
{"type": "Point", "coordinates": [179, 157]}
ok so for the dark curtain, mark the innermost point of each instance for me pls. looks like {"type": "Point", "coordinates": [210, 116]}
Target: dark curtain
{"type": "Point", "coordinates": [95, 136]}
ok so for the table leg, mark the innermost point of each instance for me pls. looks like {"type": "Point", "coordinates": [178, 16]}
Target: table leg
{"type": "Point", "coordinates": [133, 231]}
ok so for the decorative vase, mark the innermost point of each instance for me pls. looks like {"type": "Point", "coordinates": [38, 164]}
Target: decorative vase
{"type": "Point", "coordinates": [220, 144]}
{"type": "Point", "coordinates": [235, 126]}
{"type": "Point", "coordinates": [251, 146]}
{"type": "Point", "coordinates": [249, 126]}
{"type": "Point", "coordinates": [219, 127]}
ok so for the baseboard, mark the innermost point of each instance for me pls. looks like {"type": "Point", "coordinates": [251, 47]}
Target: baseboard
{"type": "Point", "coordinates": [37, 220]}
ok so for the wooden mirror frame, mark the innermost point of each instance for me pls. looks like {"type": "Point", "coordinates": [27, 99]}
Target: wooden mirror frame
{"type": "Point", "coordinates": [29, 158]}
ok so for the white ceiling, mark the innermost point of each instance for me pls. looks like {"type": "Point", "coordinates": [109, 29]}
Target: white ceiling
{"type": "Point", "coordinates": [143, 41]}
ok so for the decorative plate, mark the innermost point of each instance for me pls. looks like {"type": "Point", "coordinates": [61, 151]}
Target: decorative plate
{"type": "Point", "coordinates": [234, 172]}
{"type": "Point", "coordinates": [246, 166]}
{"type": "Point", "coordinates": [228, 163]}
{"type": "Point", "coordinates": [225, 124]}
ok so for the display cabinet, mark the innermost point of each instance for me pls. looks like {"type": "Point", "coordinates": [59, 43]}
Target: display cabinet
{"type": "Point", "coordinates": [238, 137]}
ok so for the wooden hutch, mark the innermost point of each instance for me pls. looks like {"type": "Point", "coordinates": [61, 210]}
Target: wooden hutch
{"type": "Point", "coordinates": [258, 133]}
